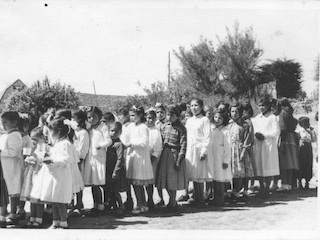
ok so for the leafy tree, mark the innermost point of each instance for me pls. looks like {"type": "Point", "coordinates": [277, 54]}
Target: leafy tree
{"type": "Point", "coordinates": [237, 57]}
{"type": "Point", "coordinates": [200, 68]}
{"type": "Point", "coordinates": [286, 74]}
{"type": "Point", "coordinates": [43, 95]}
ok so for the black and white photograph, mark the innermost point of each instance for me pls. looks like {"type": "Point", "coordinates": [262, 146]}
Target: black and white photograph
{"type": "Point", "coordinates": [167, 119]}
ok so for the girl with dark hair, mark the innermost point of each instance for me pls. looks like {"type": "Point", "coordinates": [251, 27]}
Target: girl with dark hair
{"type": "Point", "coordinates": [241, 139]}
{"type": "Point", "coordinates": [57, 171]}
{"type": "Point", "coordinates": [221, 155]}
{"type": "Point", "coordinates": [288, 156]}
{"type": "Point", "coordinates": [199, 168]}
{"type": "Point", "coordinates": [81, 143]}
{"type": "Point", "coordinates": [12, 161]}
{"type": "Point", "coordinates": [138, 164]}
{"type": "Point", "coordinates": [266, 158]}
{"type": "Point", "coordinates": [94, 171]}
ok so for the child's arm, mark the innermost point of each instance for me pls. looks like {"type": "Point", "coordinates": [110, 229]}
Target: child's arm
{"type": "Point", "coordinates": [206, 141]}
{"type": "Point", "coordinates": [120, 161]}
{"type": "Point", "coordinates": [13, 146]}
{"type": "Point", "coordinates": [227, 148]}
{"type": "Point", "coordinates": [183, 148]}
{"type": "Point", "coordinates": [313, 136]}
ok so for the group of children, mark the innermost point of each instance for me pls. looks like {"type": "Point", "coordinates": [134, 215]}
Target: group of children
{"type": "Point", "coordinates": [161, 148]}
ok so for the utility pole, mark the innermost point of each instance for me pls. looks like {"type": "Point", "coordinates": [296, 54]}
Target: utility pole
{"type": "Point", "coordinates": [169, 70]}
{"type": "Point", "coordinates": [94, 88]}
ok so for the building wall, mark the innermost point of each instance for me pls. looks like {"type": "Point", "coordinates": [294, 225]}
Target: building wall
{"type": "Point", "coordinates": [16, 86]}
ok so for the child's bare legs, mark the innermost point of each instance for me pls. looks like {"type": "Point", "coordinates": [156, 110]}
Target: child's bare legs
{"type": "Point", "coordinates": [62, 207]}
{"type": "Point", "coordinates": [237, 184]}
{"type": "Point", "coordinates": [3, 213]}
{"type": "Point", "coordinates": [150, 189]}
{"type": "Point", "coordinates": [21, 212]}
{"type": "Point", "coordinates": [141, 199]}
{"type": "Point", "coordinates": [56, 215]}
{"type": "Point", "coordinates": [172, 199]}
{"type": "Point", "coordinates": [198, 188]}
{"type": "Point", "coordinates": [209, 190]}
{"type": "Point", "coordinates": [129, 202]}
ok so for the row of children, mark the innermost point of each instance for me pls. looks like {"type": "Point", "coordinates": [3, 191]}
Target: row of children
{"type": "Point", "coordinates": [143, 150]}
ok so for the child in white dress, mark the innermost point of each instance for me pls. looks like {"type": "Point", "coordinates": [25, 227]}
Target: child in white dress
{"type": "Point", "coordinates": [81, 143]}
{"type": "Point", "coordinates": [57, 173]}
{"type": "Point", "coordinates": [31, 177]}
{"type": "Point", "coordinates": [138, 165]}
{"type": "Point", "coordinates": [12, 161]}
{"type": "Point", "coordinates": [94, 171]}
{"type": "Point", "coordinates": [199, 169]}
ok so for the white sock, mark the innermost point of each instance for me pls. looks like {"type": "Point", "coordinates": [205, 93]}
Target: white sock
{"type": "Point", "coordinates": [39, 220]}
{"type": "Point", "coordinates": [56, 223]}
{"type": "Point", "coordinates": [32, 219]}
{"type": "Point", "coordinates": [64, 224]}
{"type": "Point", "coordinates": [2, 218]}
{"type": "Point", "coordinates": [101, 206]}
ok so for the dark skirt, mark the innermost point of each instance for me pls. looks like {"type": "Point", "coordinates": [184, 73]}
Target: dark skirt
{"type": "Point", "coordinates": [288, 152]}
{"type": "Point", "coordinates": [166, 176]}
{"type": "Point", "coordinates": [306, 161]}
{"type": "Point", "coordinates": [4, 196]}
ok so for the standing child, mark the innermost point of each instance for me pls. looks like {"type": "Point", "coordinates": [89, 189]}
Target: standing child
{"type": "Point", "coordinates": [307, 136]}
{"type": "Point", "coordinates": [138, 165]}
{"type": "Point", "coordinates": [124, 119]}
{"type": "Point", "coordinates": [27, 145]}
{"type": "Point", "coordinates": [241, 139]}
{"type": "Point", "coordinates": [4, 199]}
{"type": "Point", "coordinates": [116, 176]}
{"type": "Point", "coordinates": [266, 128]}
{"type": "Point", "coordinates": [171, 173]}
{"type": "Point", "coordinates": [57, 185]}
{"type": "Point", "coordinates": [221, 154]}
{"type": "Point", "coordinates": [199, 169]}
{"type": "Point", "coordinates": [12, 161]}
{"type": "Point", "coordinates": [155, 146]}
{"type": "Point", "coordinates": [94, 171]}
{"type": "Point", "coordinates": [32, 179]}
{"type": "Point", "coordinates": [81, 143]}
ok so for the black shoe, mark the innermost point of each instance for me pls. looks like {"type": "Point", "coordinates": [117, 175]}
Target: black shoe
{"type": "Point", "coordinates": [47, 217]}
{"type": "Point", "coordinates": [128, 205]}
{"type": "Point", "coordinates": [151, 205]}
{"type": "Point", "coordinates": [94, 212]}
{"type": "Point", "coordinates": [183, 198]}
{"type": "Point", "coordinates": [172, 209]}
{"type": "Point", "coordinates": [12, 221]}
{"type": "Point", "coordinates": [3, 224]}
{"type": "Point", "coordinates": [160, 203]}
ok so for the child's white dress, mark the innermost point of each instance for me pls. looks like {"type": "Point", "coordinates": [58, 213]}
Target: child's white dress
{"type": "Point", "coordinates": [56, 184]}
{"type": "Point", "coordinates": [12, 161]}
{"type": "Point", "coordinates": [198, 139]}
{"type": "Point", "coordinates": [94, 171]}
{"type": "Point", "coordinates": [82, 143]}
{"type": "Point", "coordinates": [138, 164]}
{"type": "Point", "coordinates": [221, 153]}
{"type": "Point", "coordinates": [155, 145]}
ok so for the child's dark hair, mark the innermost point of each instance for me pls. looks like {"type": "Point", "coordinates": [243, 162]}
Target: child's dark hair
{"type": "Point", "coordinates": [201, 104]}
{"type": "Point", "coordinates": [223, 103]}
{"type": "Point", "coordinates": [236, 104]}
{"type": "Point", "coordinates": [304, 121]}
{"type": "Point", "coordinates": [23, 121]}
{"type": "Point", "coordinates": [224, 115]}
{"type": "Point", "coordinates": [108, 117]}
{"type": "Point", "coordinates": [151, 113]}
{"type": "Point", "coordinates": [116, 125]}
{"type": "Point", "coordinates": [61, 128]}
{"type": "Point", "coordinates": [247, 107]}
{"type": "Point", "coordinates": [96, 110]}
{"type": "Point", "coordinates": [63, 113]}
{"type": "Point", "coordinates": [124, 111]}
{"type": "Point", "coordinates": [139, 111]}
{"type": "Point", "coordinates": [82, 118]}
{"type": "Point", "coordinates": [37, 132]}
{"type": "Point", "coordinates": [12, 116]}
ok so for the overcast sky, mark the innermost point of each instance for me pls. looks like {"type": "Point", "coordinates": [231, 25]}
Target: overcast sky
{"type": "Point", "coordinates": [117, 43]}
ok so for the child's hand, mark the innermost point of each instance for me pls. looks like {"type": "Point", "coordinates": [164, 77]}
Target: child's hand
{"type": "Point", "coordinates": [203, 157]}
{"type": "Point", "coordinates": [225, 165]}
{"type": "Point", "coordinates": [31, 160]}
{"type": "Point", "coordinates": [259, 136]}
